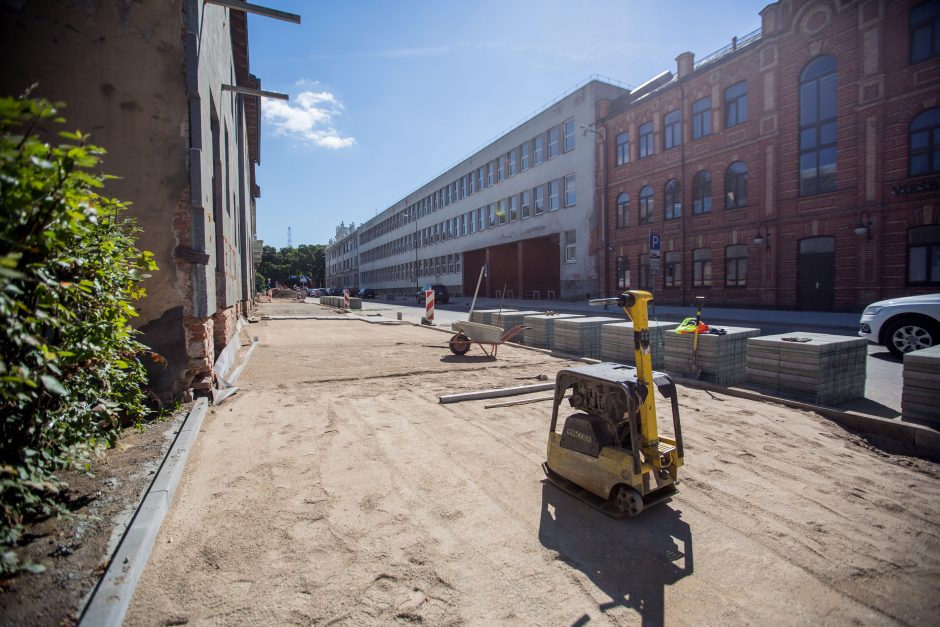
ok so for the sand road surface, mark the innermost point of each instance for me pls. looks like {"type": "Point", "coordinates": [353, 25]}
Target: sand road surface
{"type": "Point", "coordinates": [333, 488]}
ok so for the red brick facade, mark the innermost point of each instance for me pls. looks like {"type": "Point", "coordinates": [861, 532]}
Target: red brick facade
{"type": "Point", "coordinates": [878, 93]}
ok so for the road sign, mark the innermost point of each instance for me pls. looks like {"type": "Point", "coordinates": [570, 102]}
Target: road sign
{"type": "Point", "coordinates": [654, 265]}
{"type": "Point", "coordinates": [655, 245]}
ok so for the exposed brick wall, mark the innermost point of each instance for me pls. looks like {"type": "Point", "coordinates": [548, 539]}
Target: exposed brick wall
{"type": "Point", "coordinates": [224, 328]}
{"type": "Point", "coordinates": [878, 94]}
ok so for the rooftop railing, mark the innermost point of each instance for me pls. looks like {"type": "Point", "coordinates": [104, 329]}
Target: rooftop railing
{"type": "Point", "coordinates": [736, 44]}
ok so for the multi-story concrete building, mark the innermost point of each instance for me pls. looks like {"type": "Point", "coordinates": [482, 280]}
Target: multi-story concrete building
{"type": "Point", "coordinates": [799, 167]}
{"type": "Point", "coordinates": [157, 84]}
{"type": "Point", "coordinates": [524, 205]}
{"type": "Point", "coordinates": [342, 258]}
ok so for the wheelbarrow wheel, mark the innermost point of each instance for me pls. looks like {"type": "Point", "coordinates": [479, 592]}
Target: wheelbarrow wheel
{"type": "Point", "coordinates": [459, 344]}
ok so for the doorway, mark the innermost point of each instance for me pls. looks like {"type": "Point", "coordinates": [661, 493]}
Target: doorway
{"type": "Point", "coordinates": [816, 274]}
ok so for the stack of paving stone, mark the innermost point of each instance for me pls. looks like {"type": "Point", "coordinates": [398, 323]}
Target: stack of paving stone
{"type": "Point", "coordinates": [920, 399]}
{"type": "Point", "coordinates": [816, 367]}
{"type": "Point", "coordinates": [541, 331]}
{"type": "Point", "coordinates": [618, 346]}
{"type": "Point", "coordinates": [508, 319]}
{"type": "Point", "coordinates": [581, 336]}
{"type": "Point", "coordinates": [486, 316]}
{"type": "Point", "coordinates": [721, 358]}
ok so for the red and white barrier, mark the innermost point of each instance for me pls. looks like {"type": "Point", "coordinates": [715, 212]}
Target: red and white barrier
{"type": "Point", "coordinates": [429, 305]}
{"type": "Point", "coordinates": [345, 299]}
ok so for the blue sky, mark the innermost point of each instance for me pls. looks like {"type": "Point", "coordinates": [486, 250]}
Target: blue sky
{"type": "Point", "coordinates": [387, 95]}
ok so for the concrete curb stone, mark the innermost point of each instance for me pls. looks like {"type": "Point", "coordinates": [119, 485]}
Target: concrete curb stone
{"type": "Point", "coordinates": [112, 596]}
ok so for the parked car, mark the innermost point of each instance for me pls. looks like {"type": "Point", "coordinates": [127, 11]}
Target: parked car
{"type": "Point", "coordinates": [441, 294]}
{"type": "Point", "coordinates": [367, 292]}
{"type": "Point", "coordinates": [903, 324]}
{"type": "Point", "coordinates": [313, 292]}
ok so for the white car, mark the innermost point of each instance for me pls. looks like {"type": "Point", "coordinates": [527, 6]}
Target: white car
{"type": "Point", "coordinates": [903, 324]}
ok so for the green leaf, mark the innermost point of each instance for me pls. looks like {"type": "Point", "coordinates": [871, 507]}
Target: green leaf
{"type": "Point", "coordinates": [53, 385]}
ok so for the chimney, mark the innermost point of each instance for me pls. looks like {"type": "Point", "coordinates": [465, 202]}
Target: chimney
{"type": "Point", "coordinates": [684, 64]}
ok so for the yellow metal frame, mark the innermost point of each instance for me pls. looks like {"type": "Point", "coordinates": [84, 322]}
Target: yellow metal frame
{"type": "Point", "coordinates": [615, 465]}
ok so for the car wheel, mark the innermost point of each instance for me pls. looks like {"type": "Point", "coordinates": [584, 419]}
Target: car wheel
{"type": "Point", "coordinates": [910, 334]}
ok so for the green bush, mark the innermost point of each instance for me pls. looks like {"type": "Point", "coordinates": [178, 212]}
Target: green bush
{"type": "Point", "coordinates": [69, 271]}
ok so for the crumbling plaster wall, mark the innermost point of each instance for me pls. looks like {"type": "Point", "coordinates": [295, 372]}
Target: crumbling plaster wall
{"type": "Point", "coordinates": [142, 78]}
{"type": "Point", "coordinates": [117, 66]}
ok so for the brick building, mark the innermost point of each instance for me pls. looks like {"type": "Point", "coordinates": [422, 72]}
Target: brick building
{"type": "Point", "coordinates": [158, 85]}
{"type": "Point", "coordinates": [799, 167]}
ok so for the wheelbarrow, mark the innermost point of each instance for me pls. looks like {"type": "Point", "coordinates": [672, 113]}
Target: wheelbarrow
{"type": "Point", "coordinates": [468, 333]}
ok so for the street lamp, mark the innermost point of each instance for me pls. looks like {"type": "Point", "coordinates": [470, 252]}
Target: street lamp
{"type": "Point", "coordinates": [864, 225]}
{"type": "Point", "coordinates": [762, 238]}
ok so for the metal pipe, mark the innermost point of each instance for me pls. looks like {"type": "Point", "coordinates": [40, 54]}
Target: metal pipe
{"type": "Point", "coordinates": [257, 9]}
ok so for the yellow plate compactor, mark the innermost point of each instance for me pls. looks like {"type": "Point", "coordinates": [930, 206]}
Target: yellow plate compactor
{"type": "Point", "coordinates": [609, 452]}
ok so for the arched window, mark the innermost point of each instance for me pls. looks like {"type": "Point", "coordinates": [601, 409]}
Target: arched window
{"type": "Point", "coordinates": [736, 185]}
{"type": "Point", "coordinates": [646, 205]}
{"type": "Point", "coordinates": [623, 210]}
{"type": "Point", "coordinates": [923, 255]}
{"type": "Point", "coordinates": [672, 199]}
{"type": "Point", "coordinates": [925, 31]}
{"type": "Point", "coordinates": [702, 192]}
{"type": "Point", "coordinates": [925, 143]}
{"type": "Point", "coordinates": [818, 126]}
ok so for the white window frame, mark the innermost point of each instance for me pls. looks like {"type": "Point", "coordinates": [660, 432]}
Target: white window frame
{"type": "Point", "coordinates": [554, 195]}
{"type": "Point", "coordinates": [538, 200]}
{"type": "Point", "coordinates": [569, 135]}
{"type": "Point", "coordinates": [571, 244]}
{"type": "Point", "coordinates": [571, 191]}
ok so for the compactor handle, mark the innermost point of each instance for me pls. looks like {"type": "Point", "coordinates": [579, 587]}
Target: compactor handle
{"type": "Point", "coordinates": [627, 299]}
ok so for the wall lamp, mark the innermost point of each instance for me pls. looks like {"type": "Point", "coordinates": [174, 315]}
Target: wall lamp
{"type": "Point", "coordinates": [865, 224]}
{"type": "Point", "coordinates": [762, 238]}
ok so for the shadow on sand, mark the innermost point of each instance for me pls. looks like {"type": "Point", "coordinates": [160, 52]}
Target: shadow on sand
{"type": "Point", "coordinates": [631, 560]}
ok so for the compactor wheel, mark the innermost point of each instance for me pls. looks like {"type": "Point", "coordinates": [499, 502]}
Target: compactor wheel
{"type": "Point", "coordinates": [459, 344]}
{"type": "Point", "coordinates": [627, 501]}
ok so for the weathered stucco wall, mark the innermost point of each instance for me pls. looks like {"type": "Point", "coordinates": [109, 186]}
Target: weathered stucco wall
{"type": "Point", "coordinates": [146, 80]}
{"type": "Point", "coordinates": [118, 68]}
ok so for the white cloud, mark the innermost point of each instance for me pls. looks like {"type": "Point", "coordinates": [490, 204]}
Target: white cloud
{"type": "Point", "coordinates": [308, 117]}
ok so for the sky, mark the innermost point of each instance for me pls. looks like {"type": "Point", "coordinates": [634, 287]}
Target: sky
{"type": "Point", "coordinates": [384, 96]}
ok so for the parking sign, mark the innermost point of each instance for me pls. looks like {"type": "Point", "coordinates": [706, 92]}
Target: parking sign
{"type": "Point", "coordinates": [655, 242]}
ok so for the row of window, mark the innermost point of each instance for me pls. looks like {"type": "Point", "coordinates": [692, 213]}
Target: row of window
{"type": "Point", "coordinates": [735, 113]}
{"type": "Point", "coordinates": [541, 148]}
{"type": "Point", "coordinates": [531, 202]}
{"type": "Point", "coordinates": [923, 264]}
{"type": "Point", "coordinates": [817, 132]}
{"type": "Point", "coordinates": [443, 264]}
{"type": "Point", "coordinates": [735, 196]}
{"type": "Point", "coordinates": [735, 268]}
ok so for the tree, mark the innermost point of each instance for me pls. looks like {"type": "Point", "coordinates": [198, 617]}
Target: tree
{"type": "Point", "coordinates": [287, 265]}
